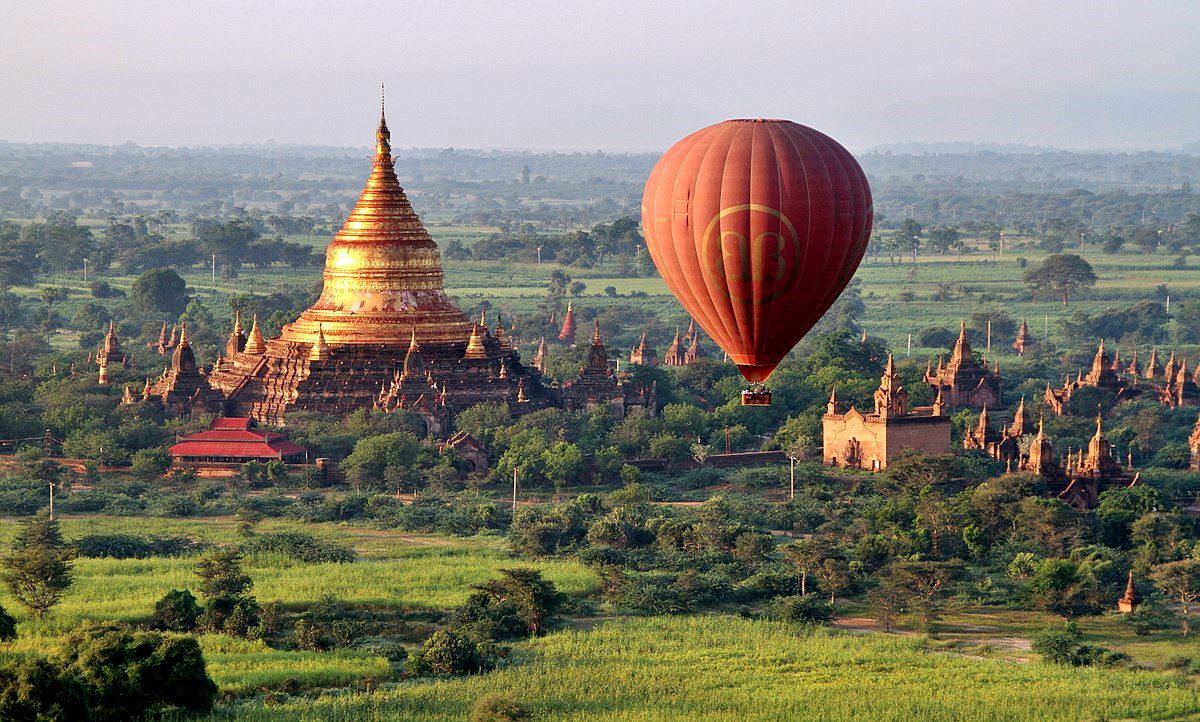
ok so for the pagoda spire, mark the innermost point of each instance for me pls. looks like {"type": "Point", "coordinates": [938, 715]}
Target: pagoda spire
{"type": "Point", "coordinates": [255, 343]}
{"type": "Point", "coordinates": [237, 337]}
{"type": "Point", "coordinates": [1020, 420]}
{"type": "Point", "coordinates": [539, 357]}
{"type": "Point", "coordinates": [320, 349]}
{"type": "Point", "coordinates": [475, 347]}
{"type": "Point", "coordinates": [939, 404]}
{"type": "Point", "coordinates": [567, 333]}
{"type": "Point", "coordinates": [962, 349]}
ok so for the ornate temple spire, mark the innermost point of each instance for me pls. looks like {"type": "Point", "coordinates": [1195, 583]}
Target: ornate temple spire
{"type": "Point", "coordinates": [539, 358]}
{"type": "Point", "coordinates": [1022, 338]}
{"type": "Point", "coordinates": [1020, 420]}
{"type": "Point", "coordinates": [127, 397]}
{"type": "Point", "coordinates": [1169, 369]}
{"type": "Point", "coordinates": [147, 389]}
{"type": "Point", "coordinates": [1116, 362]}
{"type": "Point", "coordinates": [597, 356]}
{"type": "Point", "coordinates": [1133, 369]}
{"type": "Point", "coordinates": [1100, 361]}
{"type": "Point", "coordinates": [161, 345]}
{"type": "Point", "coordinates": [237, 337]}
{"type": "Point", "coordinates": [521, 397]}
{"type": "Point", "coordinates": [939, 404]}
{"type": "Point", "coordinates": [414, 360]}
{"type": "Point", "coordinates": [255, 343]}
{"type": "Point", "coordinates": [984, 422]}
{"type": "Point", "coordinates": [962, 349]}
{"type": "Point", "coordinates": [831, 407]}
{"type": "Point", "coordinates": [1152, 364]}
{"type": "Point", "coordinates": [889, 374]}
{"type": "Point", "coordinates": [475, 347]}
{"type": "Point", "coordinates": [183, 359]}
{"type": "Point", "coordinates": [320, 349]}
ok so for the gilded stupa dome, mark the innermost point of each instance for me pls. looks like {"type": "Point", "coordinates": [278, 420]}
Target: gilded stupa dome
{"type": "Point", "coordinates": [383, 273]}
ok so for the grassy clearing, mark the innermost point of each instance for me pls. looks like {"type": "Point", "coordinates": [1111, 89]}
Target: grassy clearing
{"type": "Point", "coordinates": [725, 668]}
{"type": "Point", "coordinates": [396, 571]}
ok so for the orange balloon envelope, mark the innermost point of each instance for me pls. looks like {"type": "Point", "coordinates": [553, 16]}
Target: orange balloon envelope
{"type": "Point", "coordinates": [756, 226]}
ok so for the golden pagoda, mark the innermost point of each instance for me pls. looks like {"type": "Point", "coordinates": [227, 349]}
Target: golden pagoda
{"type": "Point", "coordinates": [382, 302]}
{"type": "Point", "coordinates": [383, 272]}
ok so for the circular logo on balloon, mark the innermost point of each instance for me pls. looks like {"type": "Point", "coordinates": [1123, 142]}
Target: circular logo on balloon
{"type": "Point", "coordinates": [751, 251]}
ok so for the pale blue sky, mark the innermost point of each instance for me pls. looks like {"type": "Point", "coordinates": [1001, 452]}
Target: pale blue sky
{"type": "Point", "coordinates": [615, 75]}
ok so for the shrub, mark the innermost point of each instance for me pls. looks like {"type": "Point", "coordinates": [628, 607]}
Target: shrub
{"type": "Point", "coordinates": [150, 464]}
{"type": "Point", "coordinates": [36, 689]}
{"type": "Point", "coordinates": [650, 593]}
{"type": "Point", "coordinates": [801, 609]}
{"type": "Point", "coordinates": [129, 546]}
{"type": "Point", "coordinates": [517, 604]}
{"type": "Point", "coordinates": [498, 707]}
{"type": "Point", "coordinates": [300, 546]}
{"type": "Point", "coordinates": [447, 653]}
{"type": "Point", "coordinates": [128, 674]}
{"type": "Point", "coordinates": [177, 611]}
{"type": "Point", "coordinates": [1062, 646]}
{"type": "Point", "coordinates": [8, 626]}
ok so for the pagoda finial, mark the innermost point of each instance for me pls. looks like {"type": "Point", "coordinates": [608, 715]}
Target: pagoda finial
{"type": "Point", "coordinates": [319, 350]}
{"type": "Point", "coordinates": [383, 137]}
{"type": "Point", "coordinates": [255, 343]}
{"type": "Point", "coordinates": [596, 333]}
{"type": "Point", "coordinates": [412, 344]}
{"type": "Point", "coordinates": [1041, 427]}
{"type": "Point", "coordinates": [183, 335]}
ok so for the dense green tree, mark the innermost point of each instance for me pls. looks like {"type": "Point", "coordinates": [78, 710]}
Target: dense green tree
{"type": "Point", "coordinates": [38, 569]}
{"type": "Point", "coordinates": [160, 290]}
{"type": "Point", "coordinates": [1179, 581]}
{"type": "Point", "coordinates": [1064, 274]}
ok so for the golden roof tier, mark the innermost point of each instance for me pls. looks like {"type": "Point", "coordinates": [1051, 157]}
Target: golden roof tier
{"type": "Point", "coordinates": [383, 272]}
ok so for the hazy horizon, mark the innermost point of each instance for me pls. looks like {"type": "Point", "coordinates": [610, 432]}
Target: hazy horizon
{"type": "Point", "coordinates": [623, 77]}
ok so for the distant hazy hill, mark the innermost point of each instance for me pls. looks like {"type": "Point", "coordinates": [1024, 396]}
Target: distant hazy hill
{"type": "Point", "coordinates": [938, 148]}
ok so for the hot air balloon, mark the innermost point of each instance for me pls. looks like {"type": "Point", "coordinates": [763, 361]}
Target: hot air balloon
{"type": "Point", "coordinates": [756, 226]}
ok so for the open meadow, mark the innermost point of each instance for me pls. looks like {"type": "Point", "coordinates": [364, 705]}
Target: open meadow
{"type": "Point", "coordinates": [398, 575]}
{"type": "Point", "coordinates": [726, 668]}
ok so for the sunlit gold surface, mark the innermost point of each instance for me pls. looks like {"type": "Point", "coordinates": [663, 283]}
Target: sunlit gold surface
{"type": "Point", "coordinates": [383, 273]}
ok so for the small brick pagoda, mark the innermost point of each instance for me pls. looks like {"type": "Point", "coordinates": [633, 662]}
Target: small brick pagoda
{"type": "Point", "coordinates": [966, 381]}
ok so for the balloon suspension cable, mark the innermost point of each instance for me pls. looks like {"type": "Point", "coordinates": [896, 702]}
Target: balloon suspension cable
{"type": "Point", "coordinates": [756, 394]}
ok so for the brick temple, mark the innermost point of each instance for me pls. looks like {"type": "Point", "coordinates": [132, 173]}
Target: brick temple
{"type": "Point", "coordinates": [382, 335]}
{"type": "Point", "coordinates": [871, 440]}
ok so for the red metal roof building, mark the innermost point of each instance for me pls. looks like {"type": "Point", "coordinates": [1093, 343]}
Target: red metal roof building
{"type": "Point", "coordinates": [232, 440]}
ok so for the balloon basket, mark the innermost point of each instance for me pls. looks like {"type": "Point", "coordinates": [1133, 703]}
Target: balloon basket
{"type": "Point", "coordinates": [756, 395]}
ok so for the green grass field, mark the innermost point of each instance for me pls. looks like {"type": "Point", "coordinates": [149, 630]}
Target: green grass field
{"type": "Point", "coordinates": [726, 668]}
{"type": "Point", "coordinates": [395, 572]}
